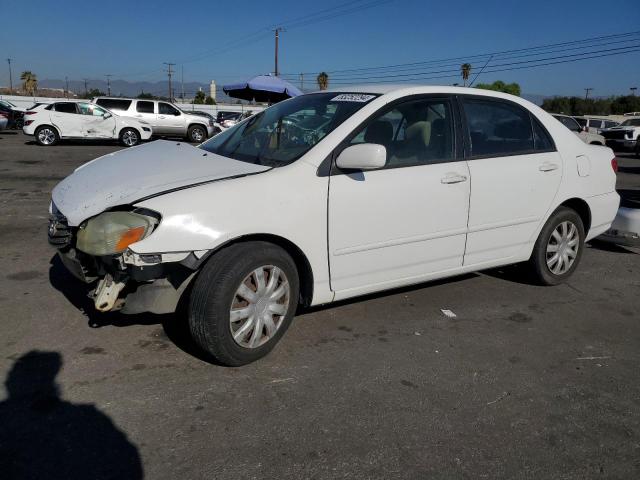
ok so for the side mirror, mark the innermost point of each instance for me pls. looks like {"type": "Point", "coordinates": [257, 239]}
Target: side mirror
{"type": "Point", "coordinates": [106, 115]}
{"type": "Point", "coordinates": [364, 156]}
{"type": "Point", "coordinates": [177, 113]}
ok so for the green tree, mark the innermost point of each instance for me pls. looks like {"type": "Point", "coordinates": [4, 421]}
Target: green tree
{"type": "Point", "coordinates": [199, 98]}
{"type": "Point", "coordinates": [500, 86]}
{"type": "Point", "coordinates": [29, 82]}
{"type": "Point", "coordinates": [465, 71]}
{"type": "Point", "coordinates": [94, 92]}
{"type": "Point", "coordinates": [323, 81]}
{"type": "Point", "coordinates": [209, 101]}
{"type": "Point", "coordinates": [146, 96]}
{"type": "Point", "coordinates": [592, 106]}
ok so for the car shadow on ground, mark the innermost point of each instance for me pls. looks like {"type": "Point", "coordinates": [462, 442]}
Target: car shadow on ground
{"type": "Point", "coordinates": [610, 247]}
{"type": "Point", "coordinates": [8, 132]}
{"type": "Point", "coordinates": [44, 436]}
{"type": "Point", "coordinates": [77, 293]}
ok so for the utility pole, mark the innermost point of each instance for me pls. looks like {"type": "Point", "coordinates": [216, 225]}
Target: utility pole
{"type": "Point", "coordinates": [182, 80]}
{"type": "Point", "coordinates": [277, 31]}
{"type": "Point", "coordinates": [302, 81]}
{"type": "Point", "coordinates": [86, 90]}
{"type": "Point", "coordinates": [109, 84]}
{"type": "Point", "coordinates": [170, 72]}
{"type": "Point", "coordinates": [66, 81]}
{"type": "Point", "coordinates": [633, 90]}
{"type": "Point", "coordinates": [586, 92]}
{"type": "Point", "coordinates": [10, 76]}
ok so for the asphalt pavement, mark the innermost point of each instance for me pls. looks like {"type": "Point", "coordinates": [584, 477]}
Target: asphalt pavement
{"type": "Point", "coordinates": [524, 382]}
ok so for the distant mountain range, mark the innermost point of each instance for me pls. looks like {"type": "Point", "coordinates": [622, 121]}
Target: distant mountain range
{"type": "Point", "coordinates": [132, 89]}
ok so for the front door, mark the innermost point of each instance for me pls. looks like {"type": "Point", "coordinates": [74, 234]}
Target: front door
{"type": "Point", "coordinates": [402, 223]}
{"type": "Point", "coordinates": [515, 174]}
{"type": "Point", "coordinates": [170, 120]}
{"type": "Point", "coordinates": [98, 123]}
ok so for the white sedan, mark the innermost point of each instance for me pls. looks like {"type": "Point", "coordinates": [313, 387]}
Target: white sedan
{"type": "Point", "coordinates": [328, 196]}
{"type": "Point", "coordinates": [80, 120]}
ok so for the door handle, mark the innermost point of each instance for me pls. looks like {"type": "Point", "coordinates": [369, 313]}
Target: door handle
{"type": "Point", "coordinates": [453, 178]}
{"type": "Point", "coordinates": [161, 116]}
{"type": "Point", "coordinates": [548, 167]}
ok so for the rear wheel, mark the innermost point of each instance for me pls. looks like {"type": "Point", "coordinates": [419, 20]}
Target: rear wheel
{"type": "Point", "coordinates": [129, 137]}
{"type": "Point", "coordinates": [46, 136]}
{"type": "Point", "coordinates": [559, 247]}
{"type": "Point", "coordinates": [243, 301]}
{"type": "Point", "coordinates": [197, 134]}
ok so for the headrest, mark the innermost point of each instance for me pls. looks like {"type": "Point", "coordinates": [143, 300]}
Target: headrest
{"type": "Point", "coordinates": [419, 131]}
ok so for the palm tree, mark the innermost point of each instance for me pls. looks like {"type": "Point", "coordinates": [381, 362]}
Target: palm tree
{"type": "Point", "coordinates": [323, 80]}
{"type": "Point", "coordinates": [29, 82]}
{"type": "Point", "coordinates": [465, 69]}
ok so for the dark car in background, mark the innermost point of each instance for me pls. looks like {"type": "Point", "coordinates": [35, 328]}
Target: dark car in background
{"type": "Point", "coordinates": [15, 117]}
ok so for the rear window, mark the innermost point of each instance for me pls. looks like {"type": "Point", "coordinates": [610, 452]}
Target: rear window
{"type": "Point", "coordinates": [66, 107]}
{"type": "Point", "coordinates": [114, 103]}
{"type": "Point", "coordinates": [144, 107]}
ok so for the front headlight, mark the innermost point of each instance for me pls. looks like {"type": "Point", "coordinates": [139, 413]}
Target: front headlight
{"type": "Point", "coordinates": [113, 232]}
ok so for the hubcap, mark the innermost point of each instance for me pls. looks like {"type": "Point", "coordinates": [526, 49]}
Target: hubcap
{"type": "Point", "coordinates": [46, 136]}
{"type": "Point", "coordinates": [129, 138]}
{"type": "Point", "coordinates": [259, 306]}
{"type": "Point", "coordinates": [197, 134]}
{"type": "Point", "coordinates": [562, 248]}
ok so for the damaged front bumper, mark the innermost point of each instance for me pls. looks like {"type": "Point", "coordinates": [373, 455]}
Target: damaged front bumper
{"type": "Point", "coordinates": [127, 281]}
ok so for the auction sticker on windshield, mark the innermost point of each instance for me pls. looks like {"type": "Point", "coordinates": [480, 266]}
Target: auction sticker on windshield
{"type": "Point", "coordinates": [352, 97]}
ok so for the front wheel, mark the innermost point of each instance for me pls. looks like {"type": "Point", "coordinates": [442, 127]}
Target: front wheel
{"type": "Point", "coordinates": [243, 301]}
{"type": "Point", "coordinates": [129, 137]}
{"type": "Point", "coordinates": [197, 134]}
{"type": "Point", "coordinates": [559, 247]}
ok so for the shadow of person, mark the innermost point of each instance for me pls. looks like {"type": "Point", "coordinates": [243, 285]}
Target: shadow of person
{"type": "Point", "coordinates": [43, 436]}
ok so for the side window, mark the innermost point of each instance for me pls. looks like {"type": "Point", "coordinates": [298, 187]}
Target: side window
{"type": "Point", "coordinates": [610, 124]}
{"type": "Point", "coordinates": [417, 132]}
{"type": "Point", "coordinates": [144, 107]}
{"type": "Point", "coordinates": [541, 138]}
{"type": "Point", "coordinates": [114, 103]}
{"type": "Point", "coordinates": [91, 109]}
{"type": "Point", "coordinates": [497, 128]}
{"type": "Point", "coordinates": [166, 109]}
{"type": "Point", "coordinates": [66, 107]}
{"type": "Point", "coordinates": [595, 123]}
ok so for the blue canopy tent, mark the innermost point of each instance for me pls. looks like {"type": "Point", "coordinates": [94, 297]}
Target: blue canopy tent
{"type": "Point", "coordinates": [263, 88]}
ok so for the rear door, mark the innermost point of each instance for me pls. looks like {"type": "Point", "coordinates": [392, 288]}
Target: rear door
{"type": "Point", "coordinates": [400, 224]}
{"type": "Point", "coordinates": [146, 111]}
{"type": "Point", "coordinates": [515, 174]}
{"type": "Point", "coordinates": [67, 119]}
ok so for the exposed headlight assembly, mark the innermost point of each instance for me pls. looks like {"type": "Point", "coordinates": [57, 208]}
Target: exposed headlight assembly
{"type": "Point", "coordinates": [113, 232]}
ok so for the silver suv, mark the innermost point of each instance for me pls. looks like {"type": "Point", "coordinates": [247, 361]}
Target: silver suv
{"type": "Point", "coordinates": [165, 118]}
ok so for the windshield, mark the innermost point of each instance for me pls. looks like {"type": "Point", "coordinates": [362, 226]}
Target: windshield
{"type": "Point", "coordinates": [283, 133]}
{"type": "Point", "coordinates": [632, 122]}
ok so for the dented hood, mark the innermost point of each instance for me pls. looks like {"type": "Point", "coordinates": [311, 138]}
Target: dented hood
{"type": "Point", "coordinates": [126, 176]}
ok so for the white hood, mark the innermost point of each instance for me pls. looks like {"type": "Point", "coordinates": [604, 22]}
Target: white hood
{"type": "Point", "coordinates": [126, 176]}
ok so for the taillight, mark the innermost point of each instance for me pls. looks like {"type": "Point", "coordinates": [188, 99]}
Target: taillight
{"type": "Point", "coordinates": [28, 122]}
{"type": "Point", "coordinates": [30, 113]}
{"type": "Point", "coordinates": [614, 164]}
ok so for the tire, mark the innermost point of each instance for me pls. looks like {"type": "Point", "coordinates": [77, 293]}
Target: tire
{"type": "Point", "coordinates": [197, 134]}
{"type": "Point", "coordinates": [129, 137]}
{"type": "Point", "coordinates": [46, 136]}
{"type": "Point", "coordinates": [216, 292]}
{"type": "Point", "coordinates": [543, 268]}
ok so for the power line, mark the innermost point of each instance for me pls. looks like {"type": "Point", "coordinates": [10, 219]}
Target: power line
{"type": "Point", "coordinates": [483, 56]}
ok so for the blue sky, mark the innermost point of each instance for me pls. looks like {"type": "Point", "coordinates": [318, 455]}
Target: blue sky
{"type": "Point", "coordinates": [84, 39]}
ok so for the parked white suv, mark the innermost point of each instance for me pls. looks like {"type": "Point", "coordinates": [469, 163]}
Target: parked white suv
{"type": "Point", "coordinates": [165, 118]}
{"type": "Point", "coordinates": [328, 196]}
{"type": "Point", "coordinates": [82, 120]}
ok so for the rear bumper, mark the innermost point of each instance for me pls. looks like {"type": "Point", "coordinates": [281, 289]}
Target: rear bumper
{"type": "Point", "coordinates": [603, 210]}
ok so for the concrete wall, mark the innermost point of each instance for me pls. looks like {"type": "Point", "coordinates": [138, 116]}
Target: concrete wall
{"type": "Point", "coordinates": [26, 102]}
